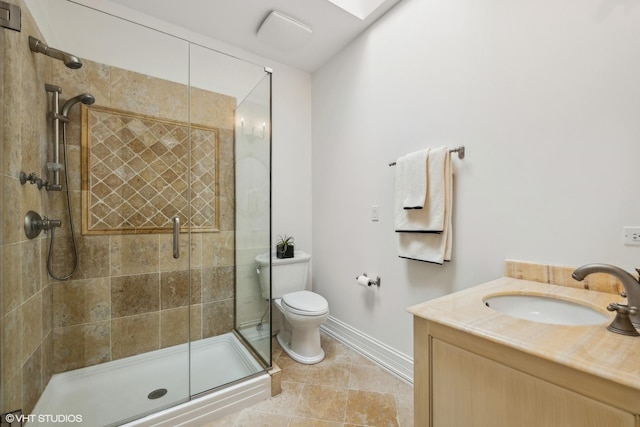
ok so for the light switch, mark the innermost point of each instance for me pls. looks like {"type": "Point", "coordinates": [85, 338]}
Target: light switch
{"type": "Point", "coordinates": [375, 213]}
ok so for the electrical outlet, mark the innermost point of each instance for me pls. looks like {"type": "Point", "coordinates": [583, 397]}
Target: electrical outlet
{"type": "Point", "coordinates": [631, 235]}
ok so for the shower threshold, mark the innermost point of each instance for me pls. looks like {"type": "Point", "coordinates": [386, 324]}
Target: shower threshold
{"type": "Point", "coordinates": [154, 383]}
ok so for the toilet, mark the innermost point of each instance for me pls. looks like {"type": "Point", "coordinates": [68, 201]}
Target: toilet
{"type": "Point", "coordinates": [303, 311]}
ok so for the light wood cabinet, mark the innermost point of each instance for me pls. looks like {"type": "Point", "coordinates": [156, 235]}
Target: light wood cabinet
{"type": "Point", "coordinates": [465, 380]}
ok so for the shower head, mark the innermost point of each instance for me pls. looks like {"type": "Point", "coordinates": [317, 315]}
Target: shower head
{"type": "Point", "coordinates": [69, 60]}
{"type": "Point", "coordinates": [85, 98]}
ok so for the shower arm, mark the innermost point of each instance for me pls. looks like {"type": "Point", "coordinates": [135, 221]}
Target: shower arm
{"type": "Point", "coordinates": [55, 116]}
{"type": "Point", "coordinates": [39, 46]}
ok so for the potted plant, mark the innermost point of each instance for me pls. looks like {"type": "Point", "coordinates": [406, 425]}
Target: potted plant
{"type": "Point", "coordinates": [284, 247]}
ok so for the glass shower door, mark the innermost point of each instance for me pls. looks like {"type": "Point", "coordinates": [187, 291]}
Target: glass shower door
{"type": "Point", "coordinates": [253, 217]}
{"type": "Point", "coordinates": [218, 84]}
{"type": "Point", "coordinates": [121, 323]}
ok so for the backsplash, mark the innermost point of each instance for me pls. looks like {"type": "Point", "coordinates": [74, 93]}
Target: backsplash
{"type": "Point", "coordinates": [561, 275]}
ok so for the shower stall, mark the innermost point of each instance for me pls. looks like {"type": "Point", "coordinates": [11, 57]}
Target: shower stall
{"type": "Point", "coordinates": [141, 304]}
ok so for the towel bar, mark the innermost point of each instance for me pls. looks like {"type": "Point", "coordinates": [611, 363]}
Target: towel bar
{"type": "Point", "coordinates": [459, 150]}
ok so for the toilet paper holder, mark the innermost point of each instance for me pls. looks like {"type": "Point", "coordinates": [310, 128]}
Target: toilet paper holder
{"type": "Point", "coordinates": [370, 281]}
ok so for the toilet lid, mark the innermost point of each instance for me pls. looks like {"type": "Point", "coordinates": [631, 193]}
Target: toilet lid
{"type": "Point", "coordinates": [305, 302]}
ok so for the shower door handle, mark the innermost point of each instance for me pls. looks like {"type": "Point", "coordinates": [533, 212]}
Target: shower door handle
{"type": "Point", "coordinates": [176, 236]}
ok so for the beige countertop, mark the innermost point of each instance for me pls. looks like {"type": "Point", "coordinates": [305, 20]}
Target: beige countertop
{"type": "Point", "coordinates": [591, 348]}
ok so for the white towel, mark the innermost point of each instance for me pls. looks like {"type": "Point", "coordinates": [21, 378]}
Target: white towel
{"type": "Point", "coordinates": [431, 218]}
{"type": "Point", "coordinates": [432, 247]}
{"type": "Point", "coordinates": [415, 179]}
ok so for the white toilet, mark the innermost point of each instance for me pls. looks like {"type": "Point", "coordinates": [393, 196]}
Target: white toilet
{"type": "Point", "coordinates": [303, 311]}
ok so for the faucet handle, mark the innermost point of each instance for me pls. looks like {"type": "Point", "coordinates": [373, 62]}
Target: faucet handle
{"type": "Point", "coordinates": [621, 308]}
{"type": "Point", "coordinates": [622, 324]}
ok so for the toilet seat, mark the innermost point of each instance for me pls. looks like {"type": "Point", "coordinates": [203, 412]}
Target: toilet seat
{"type": "Point", "coordinates": [305, 303]}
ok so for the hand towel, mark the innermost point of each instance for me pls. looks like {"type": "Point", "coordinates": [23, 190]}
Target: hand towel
{"type": "Point", "coordinates": [415, 179]}
{"type": "Point", "coordinates": [432, 247]}
{"type": "Point", "coordinates": [429, 219]}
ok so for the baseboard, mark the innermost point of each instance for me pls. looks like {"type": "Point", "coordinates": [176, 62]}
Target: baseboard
{"type": "Point", "coordinates": [397, 363]}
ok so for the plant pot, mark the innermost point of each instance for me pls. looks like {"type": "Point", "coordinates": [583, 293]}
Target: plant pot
{"type": "Point", "coordinates": [284, 252]}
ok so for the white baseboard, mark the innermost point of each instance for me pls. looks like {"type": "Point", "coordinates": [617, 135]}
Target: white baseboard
{"type": "Point", "coordinates": [397, 363]}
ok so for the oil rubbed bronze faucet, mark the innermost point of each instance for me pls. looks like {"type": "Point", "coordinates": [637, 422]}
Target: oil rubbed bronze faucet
{"type": "Point", "coordinates": [628, 316]}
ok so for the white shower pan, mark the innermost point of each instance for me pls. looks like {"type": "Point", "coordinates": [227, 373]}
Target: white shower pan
{"type": "Point", "coordinates": [115, 392]}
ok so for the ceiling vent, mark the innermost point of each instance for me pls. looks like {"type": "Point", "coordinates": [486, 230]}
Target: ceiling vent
{"type": "Point", "coordinates": [283, 32]}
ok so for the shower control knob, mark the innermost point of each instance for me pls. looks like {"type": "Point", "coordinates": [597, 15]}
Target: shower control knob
{"type": "Point", "coordinates": [32, 178]}
{"type": "Point", "coordinates": [34, 224]}
{"type": "Point", "coordinates": [48, 224]}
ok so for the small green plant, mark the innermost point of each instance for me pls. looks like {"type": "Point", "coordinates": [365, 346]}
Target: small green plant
{"type": "Point", "coordinates": [284, 246]}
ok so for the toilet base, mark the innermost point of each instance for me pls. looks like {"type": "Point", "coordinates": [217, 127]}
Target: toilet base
{"type": "Point", "coordinates": [307, 360]}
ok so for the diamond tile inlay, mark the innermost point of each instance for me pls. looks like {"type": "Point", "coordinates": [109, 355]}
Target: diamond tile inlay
{"type": "Point", "coordinates": [139, 171]}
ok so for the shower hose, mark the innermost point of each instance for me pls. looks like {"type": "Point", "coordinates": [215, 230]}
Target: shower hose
{"type": "Point", "coordinates": [73, 236]}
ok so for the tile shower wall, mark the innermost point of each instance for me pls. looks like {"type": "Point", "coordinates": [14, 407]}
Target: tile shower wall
{"type": "Point", "coordinates": [26, 339]}
{"type": "Point", "coordinates": [136, 174]}
{"type": "Point", "coordinates": [129, 294]}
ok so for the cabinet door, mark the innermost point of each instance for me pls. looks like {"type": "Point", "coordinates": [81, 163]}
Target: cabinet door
{"type": "Point", "coordinates": [470, 390]}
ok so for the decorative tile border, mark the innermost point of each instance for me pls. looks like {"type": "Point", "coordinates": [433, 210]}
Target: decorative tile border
{"type": "Point", "coordinates": [561, 275]}
{"type": "Point", "coordinates": [135, 173]}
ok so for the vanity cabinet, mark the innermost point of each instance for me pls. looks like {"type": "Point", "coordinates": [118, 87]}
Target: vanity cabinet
{"type": "Point", "coordinates": [462, 379]}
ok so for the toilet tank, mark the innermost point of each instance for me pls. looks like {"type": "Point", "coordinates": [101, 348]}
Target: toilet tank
{"type": "Point", "coordinates": [289, 274]}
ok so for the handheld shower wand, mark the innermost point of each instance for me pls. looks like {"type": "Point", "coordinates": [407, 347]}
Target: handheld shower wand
{"type": "Point", "coordinates": [39, 46]}
{"type": "Point", "coordinates": [58, 116]}
{"type": "Point", "coordinates": [85, 98]}
{"type": "Point", "coordinates": [61, 116]}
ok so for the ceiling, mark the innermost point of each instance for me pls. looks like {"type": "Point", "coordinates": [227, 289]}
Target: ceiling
{"type": "Point", "coordinates": [236, 22]}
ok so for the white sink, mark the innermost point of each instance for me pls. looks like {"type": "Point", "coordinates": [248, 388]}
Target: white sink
{"type": "Point", "coordinates": [545, 309]}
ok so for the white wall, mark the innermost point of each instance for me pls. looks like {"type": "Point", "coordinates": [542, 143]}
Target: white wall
{"type": "Point", "coordinates": [545, 96]}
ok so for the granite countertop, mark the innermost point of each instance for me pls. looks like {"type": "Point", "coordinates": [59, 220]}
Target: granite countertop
{"type": "Point", "coordinates": [589, 348]}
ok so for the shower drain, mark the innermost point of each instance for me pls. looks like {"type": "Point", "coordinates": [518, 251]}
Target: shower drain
{"type": "Point", "coordinates": [157, 394]}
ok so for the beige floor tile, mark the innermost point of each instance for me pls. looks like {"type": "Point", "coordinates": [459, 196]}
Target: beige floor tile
{"type": "Point", "coordinates": [330, 374]}
{"type": "Point", "coordinates": [404, 404]}
{"type": "Point", "coordinates": [371, 378]}
{"type": "Point", "coordinates": [344, 390]}
{"type": "Point", "coordinates": [284, 402]}
{"type": "Point", "coordinates": [250, 418]}
{"type": "Point", "coordinates": [292, 370]}
{"type": "Point", "coordinates": [337, 352]}
{"type": "Point", "coordinates": [371, 409]}
{"type": "Point", "coordinates": [402, 388]}
{"type": "Point", "coordinates": [309, 422]}
{"type": "Point", "coordinates": [321, 402]}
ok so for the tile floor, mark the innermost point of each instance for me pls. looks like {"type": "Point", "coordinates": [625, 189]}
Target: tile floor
{"type": "Point", "coordinates": [344, 390]}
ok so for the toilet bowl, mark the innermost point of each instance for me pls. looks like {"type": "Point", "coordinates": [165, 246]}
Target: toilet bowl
{"type": "Point", "coordinates": [302, 311]}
